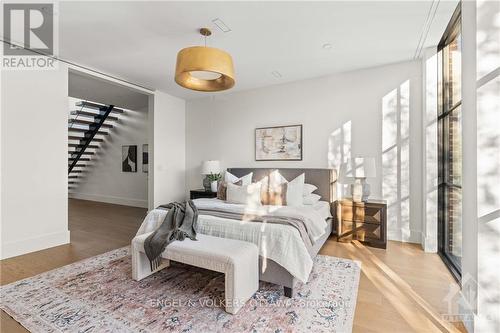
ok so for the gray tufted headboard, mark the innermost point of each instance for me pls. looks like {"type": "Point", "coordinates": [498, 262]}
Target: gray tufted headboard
{"type": "Point", "coordinates": [324, 179]}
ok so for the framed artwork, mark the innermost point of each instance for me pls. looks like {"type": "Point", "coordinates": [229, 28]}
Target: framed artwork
{"type": "Point", "coordinates": [145, 157]}
{"type": "Point", "coordinates": [129, 158]}
{"type": "Point", "coordinates": [280, 143]}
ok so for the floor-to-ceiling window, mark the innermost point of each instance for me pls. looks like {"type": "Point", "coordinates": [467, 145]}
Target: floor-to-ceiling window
{"type": "Point", "coordinates": [450, 147]}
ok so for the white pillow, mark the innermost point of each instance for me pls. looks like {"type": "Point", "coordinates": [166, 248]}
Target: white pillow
{"type": "Point", "coordinates": [276, 179]}
{"type": "Point", "coordinates": [311, 199]}
{"type": "Point", "coordinates": [308, 189]}
{"type": "Point", "coordinates": [245, 180]}
{"type": "Point", "coordinates": [294, 192]}
{"type": "Point", "coordinates": [295, 188]}
{"type": "Point", "coordinates": [247, 194]}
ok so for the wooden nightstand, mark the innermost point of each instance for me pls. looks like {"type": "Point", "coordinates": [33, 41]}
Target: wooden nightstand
{"type": "Point", "coordinates": [362, 221]}
{"type": "Point", "coordinates": [201, 193]}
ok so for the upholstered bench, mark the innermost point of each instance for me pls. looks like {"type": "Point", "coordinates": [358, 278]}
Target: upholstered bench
{"type": "Point", "coordinates": [238, 260]}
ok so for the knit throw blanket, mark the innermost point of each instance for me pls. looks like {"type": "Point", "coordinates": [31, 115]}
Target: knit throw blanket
{"type": "Point", "coordinates": [179, 223]}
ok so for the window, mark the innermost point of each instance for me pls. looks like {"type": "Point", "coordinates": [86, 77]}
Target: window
{"type": "Point", "coordinates": [450, 146]}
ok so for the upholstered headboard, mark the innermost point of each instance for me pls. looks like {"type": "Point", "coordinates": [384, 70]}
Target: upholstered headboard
{"type": "Point", "coordinates": [324, 179]}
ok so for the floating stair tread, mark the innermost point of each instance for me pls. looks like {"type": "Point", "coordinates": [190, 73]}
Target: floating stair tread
{"type": "Point", "coordinates": [84, 159]}
{"type": "Point", "coordinates": [96, 106]}
{"type": "Point", "coordinates": [74, 137]}
{"type": "Point", "coordinates": [79, 145]}
{"type": "Point", "coordinates": [74, 129]}
{"type": "Point", "coordinates": [83, 153]}
{"type": "Point", "coordinates": [91, 114]}
{"type": "Point", "coordinates": [87, 122]}
{"type": "Point", "coordinates": [73, 176]}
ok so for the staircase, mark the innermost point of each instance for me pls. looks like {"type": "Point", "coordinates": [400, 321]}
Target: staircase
{"type": "Point", "coordinates": [87, 128]}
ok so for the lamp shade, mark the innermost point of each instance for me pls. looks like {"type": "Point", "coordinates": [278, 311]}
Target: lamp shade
{"type": "Point", "coordinates": [210, 167]}
{"type": "Point", "coordinates": [204, 69]}
{"type": "Point", "coordinates": [359, 167]}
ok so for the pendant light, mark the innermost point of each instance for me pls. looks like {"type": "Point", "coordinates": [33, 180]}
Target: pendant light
{"type": "Point", "coordinates": [204, 68]}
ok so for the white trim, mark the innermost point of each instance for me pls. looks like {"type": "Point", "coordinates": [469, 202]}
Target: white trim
{"type": "Point", "coordinates": [429, 234]}
{"type": "Point", "coordinates": [425, 28]}
{"type": "Point", "coordinates": [23, 246]}
{"type": "Point", "coordinates": [110, 199]}
{"type": "Point", "coordinates": [108, 78]}
{"type": "Point", "coordinates": [469, 314]}
{"type": "Point", "coordinates": [429, 244]}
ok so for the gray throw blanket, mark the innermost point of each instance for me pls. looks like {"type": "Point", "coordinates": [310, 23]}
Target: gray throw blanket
{"type": "Point", "coordinates": [294, 222]}
{"type": "Point", "coordinates": [179, 223]}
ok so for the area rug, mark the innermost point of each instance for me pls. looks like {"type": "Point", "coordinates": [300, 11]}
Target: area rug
{"type": "Point", "coordinates": [99, 295]}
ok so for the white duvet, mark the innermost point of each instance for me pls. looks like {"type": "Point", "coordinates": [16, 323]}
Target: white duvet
{"type": "Point", "coordinates": [280, 243]}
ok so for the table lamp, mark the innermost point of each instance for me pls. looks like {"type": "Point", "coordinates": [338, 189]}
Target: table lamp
{"type": "Point", "coordinates": [359, 168]}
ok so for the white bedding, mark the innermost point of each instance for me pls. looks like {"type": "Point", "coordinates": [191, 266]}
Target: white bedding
{"type": "Point", "coordinates": [280, 243]}
{"type": "Point", "coordinates": [323, 208]}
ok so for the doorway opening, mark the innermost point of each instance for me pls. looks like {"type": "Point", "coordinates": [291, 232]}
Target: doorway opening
{"type": "Point", "coordinates": [108, 160]}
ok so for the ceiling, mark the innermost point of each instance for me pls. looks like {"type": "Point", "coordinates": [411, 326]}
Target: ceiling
{"type": "Point", "coordinates": [94, 89]}
{"type": "Point", "coordinates": [139, 41]}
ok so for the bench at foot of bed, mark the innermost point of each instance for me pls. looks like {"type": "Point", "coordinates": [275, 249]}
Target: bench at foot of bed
{"type": "Point", "coordinates": [238, 261]}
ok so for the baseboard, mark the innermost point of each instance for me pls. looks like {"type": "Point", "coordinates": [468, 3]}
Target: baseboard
{"type": "Point", "coordinates": [405, 235]}
{"type": "Point", "coordinates": [110, 199]}
{"type": "Point", "coordinates": [27, 245]}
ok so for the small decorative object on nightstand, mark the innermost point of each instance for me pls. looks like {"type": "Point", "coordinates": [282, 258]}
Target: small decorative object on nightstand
{"type": "Point", "coordinates": [209, 168]}
{"type": "Point", "coordinates": [214, 179]}
{"type": "Point", "coordinates": [201, 193]}
{"type": "Point", "coordinates": [362, 221]}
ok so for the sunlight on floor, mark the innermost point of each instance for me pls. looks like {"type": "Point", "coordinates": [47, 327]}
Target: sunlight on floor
{"type": "Point", "coordinates": [412, 307]}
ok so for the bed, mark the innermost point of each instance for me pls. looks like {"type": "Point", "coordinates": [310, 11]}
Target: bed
{"type": "Point", "coordinates": [325, 180]}
{"type": "Point", "coordinates": [284, 259]}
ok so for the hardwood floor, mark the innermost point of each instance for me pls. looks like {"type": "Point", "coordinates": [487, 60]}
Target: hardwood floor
{"type": "Point", "coordinates": [402, 289]}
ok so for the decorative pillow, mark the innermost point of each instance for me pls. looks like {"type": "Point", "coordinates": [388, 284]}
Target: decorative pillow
{"type": "Point", "coordinates": [308, 189]}
{"type": "Point", "coordinates": [264, 189]}
{"type": "Point", "coordinates": [294, 192]}
{"type": "Point", "coordinates": [230, 178]}
{"type": "Point", "coordinates": [246, 194]}
{"type": "Point", "coordinates": [275, 196]}
{"type": "Point", "coordinates": [222, 189]}
{"type": "Point", "coordinates": [312, 199]}
{"type": "Point", "coordinates": [294, 189]}
{"type": "Point", "coordinates": [276, 179]}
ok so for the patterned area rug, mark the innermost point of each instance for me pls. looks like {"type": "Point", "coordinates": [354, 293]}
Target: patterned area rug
{"type": "Point", "coordinates": [99, 295]}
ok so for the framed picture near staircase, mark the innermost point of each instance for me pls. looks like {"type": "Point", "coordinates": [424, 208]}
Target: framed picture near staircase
{"type": "Point", "coordinates": [129, 158]}
{"type": "Point", "coordinates": [145, 158]}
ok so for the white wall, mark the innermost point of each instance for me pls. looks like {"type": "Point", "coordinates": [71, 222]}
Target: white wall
{"type": "Point", "coordinates": [34, 160]}
{"type": "Point", "coordinates": [343, 115]}
{"type": "Point", "coordinates": [104, 180]}
{"type": "Point", "coordinates": [167, 124]}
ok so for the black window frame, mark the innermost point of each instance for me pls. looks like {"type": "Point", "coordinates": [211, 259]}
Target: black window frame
{"type": "Point", "coordinates": [444, 111]}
